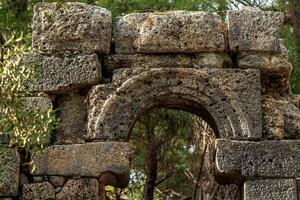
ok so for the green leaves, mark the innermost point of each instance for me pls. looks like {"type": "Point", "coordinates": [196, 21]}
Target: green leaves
{"type": "Point", "coordinates": [27, 128]}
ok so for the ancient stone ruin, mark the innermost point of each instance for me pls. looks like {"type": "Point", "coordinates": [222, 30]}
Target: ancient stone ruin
{"type": "Point", "coordinates": [234, 74]}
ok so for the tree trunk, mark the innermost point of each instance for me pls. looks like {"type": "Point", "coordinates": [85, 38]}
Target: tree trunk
{"type": "Point", "coordinates": [152, 165]}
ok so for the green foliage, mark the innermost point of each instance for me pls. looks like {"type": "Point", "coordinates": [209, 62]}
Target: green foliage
{"type": "Point", "coordinates": [27, 128]}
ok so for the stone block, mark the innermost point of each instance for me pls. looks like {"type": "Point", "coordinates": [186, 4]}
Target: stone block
{"type": "Point", "coordinates": [170, 32]}
{"type": "Point", "coordinates": [212, 60]}
{"type": "Point", "coordinates": [254, 30]}
{"type": "Point", "coordinates": [70, 27]}
{"type": "Point", "coordinates": [68, 73]}
{"type": "Point", "coordinates": [275, 86]}
{"type": "Point", "coordinates": [90, 159]}
{"type": "Point", "coordinates": [41, 103]}
{"type": "Point", "coordinates": [272, 189]}
{"type": "Point", "coordinates": [96, 98]}
{"type": "Point", "coordinates": [72, 119]}
{"type": "Point", "coordinates": [236, 108]}
{"type": "Point", "coordinates": [270, 158]}
{"type": "Point", "coordinates": [116, 61]}
{"type": "Point", "coordinates": [270, 65]}
{"type": "Point", "coordinates": [57, 181]}
{"type": "Point", "coordinates": [80, 189]}
{"type": "Point", "coordinates": [34, 191]}
{"type": "Point", "coordinates": [9, 172]}
{"type": "Point", "coordinates": [281, 119]}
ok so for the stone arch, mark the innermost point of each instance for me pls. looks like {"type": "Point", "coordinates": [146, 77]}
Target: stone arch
{"type": "Point", "coordinates": [199, 91]}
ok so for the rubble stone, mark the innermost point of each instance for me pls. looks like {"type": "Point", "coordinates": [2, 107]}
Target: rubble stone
{"type": "Point", "coordinates": [38, 191]}
{"type": "Point", "coordinates": [10, 168]}
{"type": "Point", "coordinates": [71, 27]}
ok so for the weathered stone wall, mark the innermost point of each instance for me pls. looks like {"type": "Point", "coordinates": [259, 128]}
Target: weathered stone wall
{"type": "Point", "coordinates": [234, 74]}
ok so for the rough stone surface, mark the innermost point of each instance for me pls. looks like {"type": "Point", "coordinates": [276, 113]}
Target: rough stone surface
{"type": "Point", "coordinates": [42, 103]}
{"type": "Point", "coordinates": [170, 32]}
{"type": "Point", "coordinates": [70, 27]}
{"type": "Point", "coordinates": [254, 30]}
{"type": "Point", "coordinates": [9, 182]}
{"type": "Point", "coordinates": [116, 61]}
{"type": "Point", "coordinates": [275, 86]}
{"type": "Point", "coordinates": [91, 159]}
{"type": "Point", "coordinates": [72, 119]}
{"type": "Point", "coordinates": [232, 97]}
{"type": "Point", "coordinates": [95, 100]}
{"type": "Point", "coordinates": [269, 158]}
{"type": "Point", "coordinates": [38, 191]}
{"type": "Point", "coordinates": [81, 189]}
{"type": "Point", "coordinates": [268, 64]}
{"type": "Point", "coordinates": [57, 181]}
{"type": "Point", "coordinates": [68, 73]}
{"type": "Point", "coordinates": [274, 189]}
{"type": "Point", "coordinates": [281, 119]}
{"type": "Point", "coordinates": [212, 60]}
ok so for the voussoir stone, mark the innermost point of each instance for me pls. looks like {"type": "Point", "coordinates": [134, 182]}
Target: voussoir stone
{"type": "Point", "coordinates": [10, 168]}
{"type": "Point", "coordinates": [68, 73]}
{"type": "Point", "coordinates": [254, 30]}
{"type": "Point", "coordinates": [270, 189]}
{"type": "Point", "coordinates": [90, 159]}
{"type": "Point", "coordinates": [270, 158]}
{"type": "Point", "coordinates": [80, 189]}
{"type": "Point", "coordinates": [38, 191]}
{"type": "Point", "coordinates": [170, 32]}
{"type": "Point", "coordinates": [71, 27]}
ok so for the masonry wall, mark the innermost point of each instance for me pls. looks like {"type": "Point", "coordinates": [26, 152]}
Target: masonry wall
{"type": "Point", "coordinates": [238, 71]}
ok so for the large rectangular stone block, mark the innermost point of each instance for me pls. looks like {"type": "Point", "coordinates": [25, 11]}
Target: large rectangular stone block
{"type": "Point", "coordinates": [270, 158]}
{"type": "Point", "coordinates": [90, 159]}
{"type": "Point", "coordinates": [270, 189]}
{"type": "Point", "coordinates": [254, 30]}
{"type": "Point", "coordinates": [116, 61]}
{"type": "Point", "coordinates": [9, 172]}
{"type": "Point", "coordinates": [70, 27]}
{"type": "Point", "coordinates": [69, 73]}
{"type": "Point", "coordinates": [170, 32]}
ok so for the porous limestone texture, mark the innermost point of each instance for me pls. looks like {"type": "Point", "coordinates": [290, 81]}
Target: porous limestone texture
{"type": "Point", "coordinates": [43, 104]}
{"type": "Point", "coordinates": [169, 32]}
{"type": "Point", "coordinates": [270, 189]}
{"type": "Point", "coordinates": [271, 65]}
{"type": "Point", "coordinates": [68, 73]}
{"type": "Point", "coordinates": [212, 60]}
{"type": "Point", "coordinates": [229, 99]}
{"type": "Point", "coordinates": [10, 169]}
{"type": "Point", "coordinates": [90, 159]}
{"type": "Point", "coordinates": [38, 191]}
{"type": "Point", "coordinates": [281, 119]}
{"type": "Point", "coordinates": [70, 27]}
{"type": "Point", "coordinates": [95, 100]}
{"type": "Point", "coordinates": [116, 61]}
{"type": "Point", "coordinates": [254, 30]}
{"type": "Point", "coordinates": [81, 189]}
{"type": "Point", "coordinates": [270, 158]}
{"type": "Point", "coordinates": [72, 118]}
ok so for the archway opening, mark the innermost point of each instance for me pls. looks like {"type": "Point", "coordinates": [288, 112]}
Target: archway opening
{"type": "Point", "coordinates": [173, 153]}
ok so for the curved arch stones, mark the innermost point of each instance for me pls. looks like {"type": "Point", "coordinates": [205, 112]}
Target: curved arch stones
{"type": "Point", "coordinates": [227, 99]}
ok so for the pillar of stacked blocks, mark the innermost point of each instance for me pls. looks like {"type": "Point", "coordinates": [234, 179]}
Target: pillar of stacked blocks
{"type": "Point", "coordinates": [102, 76]}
